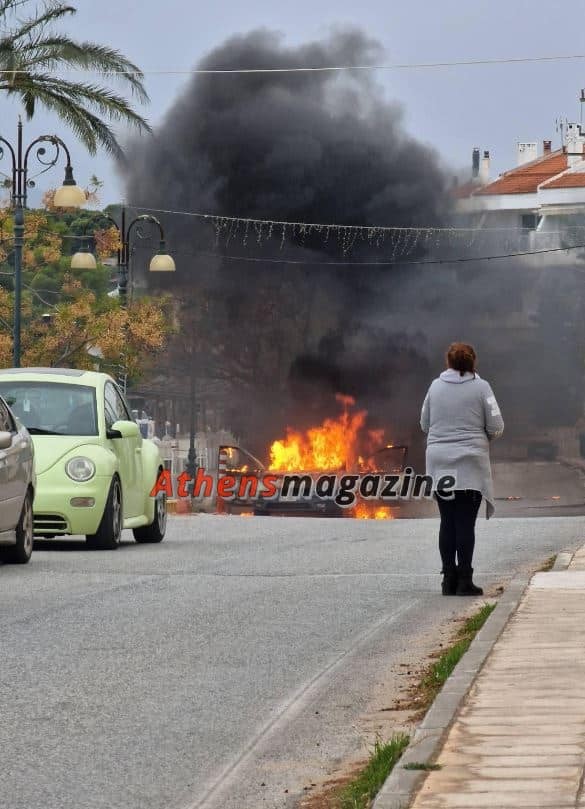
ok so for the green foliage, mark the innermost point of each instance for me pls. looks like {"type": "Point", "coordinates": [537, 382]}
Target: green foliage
{"type": "Point", "coordinates": [359, 792]}
{"type": "Point", "coordinates": [438, 673]}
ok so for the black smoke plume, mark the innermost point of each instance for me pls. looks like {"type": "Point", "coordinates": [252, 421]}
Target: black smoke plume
{"type": "Point", "coordinates": [271, 343]}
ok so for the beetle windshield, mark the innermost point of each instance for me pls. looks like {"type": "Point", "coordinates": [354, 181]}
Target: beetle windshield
{"type": "Point", "coordinates": [52, 408]}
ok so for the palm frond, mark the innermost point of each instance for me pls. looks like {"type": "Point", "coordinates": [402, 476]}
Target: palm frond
{"type": "Point", "coordinates": [40, 20]}
{"type": "Point", "coordinates": [10, 5]}
{"type": "Point", "coordinates": [102, 99]}
{"type": "Point", "coordinates": [80, 105]}
{"type": "Point", "coordinates": [54, 51]}
{"type": "Point", "coordinates": [32, 51]}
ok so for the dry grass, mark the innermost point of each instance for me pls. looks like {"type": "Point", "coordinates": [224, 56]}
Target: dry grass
{"type": "Point", "coordinates": [423, 692]}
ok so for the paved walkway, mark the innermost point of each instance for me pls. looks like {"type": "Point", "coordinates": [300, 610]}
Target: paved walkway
{"type": "Point", "coordinates": [519, 740]}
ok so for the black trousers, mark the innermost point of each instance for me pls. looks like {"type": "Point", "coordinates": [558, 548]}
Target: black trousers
{"type": "Point", "coordinates": [457, 532]}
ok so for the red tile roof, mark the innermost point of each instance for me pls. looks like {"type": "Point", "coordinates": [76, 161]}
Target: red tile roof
{"type": "Point", "coordinates": [465, 190]}
{"type": "Point", "coordinates": [573, 179]}
{"type": "Point", "coordinates": [526, 179]}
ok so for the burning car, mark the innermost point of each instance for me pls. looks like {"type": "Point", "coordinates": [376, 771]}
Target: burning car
{"type": "Point", "coordinates": [303, 457]}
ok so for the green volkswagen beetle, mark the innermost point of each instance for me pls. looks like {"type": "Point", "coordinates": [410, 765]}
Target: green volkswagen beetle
{"type": "Point", "coordinates": [94, 469]}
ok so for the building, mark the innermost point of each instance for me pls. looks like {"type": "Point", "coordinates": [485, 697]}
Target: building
{"type": "Point", "coordinates": [542, 198]}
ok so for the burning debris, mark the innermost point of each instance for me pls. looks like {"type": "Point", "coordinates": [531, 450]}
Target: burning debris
{"type": "Point", "coordinates": [332, 446]}
{"type": "Point", "coordinates": [367, 511]}
{"type": "Point", "coordinates": [338, 444]}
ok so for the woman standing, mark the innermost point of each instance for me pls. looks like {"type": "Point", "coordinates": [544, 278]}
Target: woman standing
{"type": "Point", "coordinates": [460, 416]}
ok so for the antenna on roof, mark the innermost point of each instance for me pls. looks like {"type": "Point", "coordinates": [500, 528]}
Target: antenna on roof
{"type": "Point", "coordinates": [560, 124]}
{"type": "Point", "coordinates": [581, 100]}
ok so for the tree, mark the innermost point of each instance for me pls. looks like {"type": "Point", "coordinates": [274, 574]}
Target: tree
{"type": "Point", "coordinates": [33, 57]}
{"type": "Point", "coordinates": [85, 332]}
{"type": "Point", "coordinates": [70, 320]}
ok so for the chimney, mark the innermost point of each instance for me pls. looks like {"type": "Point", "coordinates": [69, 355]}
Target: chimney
{"type": "Point", "coordinates": [475, 163]}
{"type": "Point", "coordinates": [547, 146]}
{"type": "Point", "coordinates": [574, 140]}
{"type": "Point", "coordinates": [484, 171]}
{"type": "Point", "coordinates": [526, 152]}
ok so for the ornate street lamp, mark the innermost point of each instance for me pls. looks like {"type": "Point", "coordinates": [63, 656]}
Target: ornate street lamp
{"type": "Point", "coordinates": [161, 261]}
{"type": "Point", "coordinates": [68, 196]}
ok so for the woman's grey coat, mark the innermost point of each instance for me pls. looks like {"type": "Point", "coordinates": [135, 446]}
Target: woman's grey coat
{"type": "Point", "coordinates": [461, 416]}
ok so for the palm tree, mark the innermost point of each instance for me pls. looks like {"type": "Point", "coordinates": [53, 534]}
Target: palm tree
{"type": "Point", "coordinates": [34, 63]}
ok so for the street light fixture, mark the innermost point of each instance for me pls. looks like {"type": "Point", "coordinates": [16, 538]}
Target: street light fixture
{"type": "Point", "coordinates": [68, 196]}
{"type": "Point", "coordinates": [83, 260]}
{"type": "Point", "coordinates": [161, 262]}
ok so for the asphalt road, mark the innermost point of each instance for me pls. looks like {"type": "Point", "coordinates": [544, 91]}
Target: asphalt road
{"type": "Point", "coordinates": [230, 663]}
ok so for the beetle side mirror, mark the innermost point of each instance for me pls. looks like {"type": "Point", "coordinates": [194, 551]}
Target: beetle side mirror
{"type": "Point", "coordinates": [123, 429]}
{"type": "Point", "coordinates": [5, 440]}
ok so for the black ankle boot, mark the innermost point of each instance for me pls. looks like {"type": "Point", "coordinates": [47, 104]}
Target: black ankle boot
{"type": "Point", "coordinates": [449, 583]}
{"type": "Point", "coordinates": [465, 585]}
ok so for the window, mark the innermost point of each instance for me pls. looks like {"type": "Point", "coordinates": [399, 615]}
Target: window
{"type": "Point", "coordinates": [6, 423]}
{"type": "Point", "coordinates": [529, 221]}
{"type": "Point", "coordinates": [115, 407]}
{"type": "Point", "coordinates": [52, 407]}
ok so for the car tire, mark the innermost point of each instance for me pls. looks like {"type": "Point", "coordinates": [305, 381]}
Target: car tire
{"type": "Point", "coordinates": [20, 553]}
{"type": "Point", "coordinates": [107, 537]}
{"type": "Point", "coordinates": [155, 532]}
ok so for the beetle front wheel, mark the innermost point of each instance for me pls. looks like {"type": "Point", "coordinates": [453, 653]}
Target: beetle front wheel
{"type": "Point", "coordinates": [107, 537]}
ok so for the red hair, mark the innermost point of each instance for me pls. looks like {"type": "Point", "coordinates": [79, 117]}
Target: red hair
{"type": "Point", "coordinates": [461, 357]}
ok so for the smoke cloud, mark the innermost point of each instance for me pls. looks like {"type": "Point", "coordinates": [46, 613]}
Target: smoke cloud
{"type": "Point", "coordinates": [309, 147]}
{"type": "Point", "coordinates": [272, 331]}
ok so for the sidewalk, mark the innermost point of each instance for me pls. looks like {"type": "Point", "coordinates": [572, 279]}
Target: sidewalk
{"type": "Point", "coordinates": [519, 738]}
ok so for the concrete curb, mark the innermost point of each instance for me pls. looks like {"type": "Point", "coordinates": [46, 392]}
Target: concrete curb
{"type": "Point", "coordinates": [563, 560]}
{"type": "Point", "coordinates": [401, 785]}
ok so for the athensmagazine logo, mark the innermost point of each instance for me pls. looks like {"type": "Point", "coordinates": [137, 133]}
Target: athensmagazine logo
{"type": "Point", "coordinates": [343, 489]}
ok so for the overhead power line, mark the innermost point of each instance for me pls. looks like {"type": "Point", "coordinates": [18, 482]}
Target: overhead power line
{"type": "Point", "coordinates": [394, 263]}
{"type": "Point", "coordinates": [321, 68]}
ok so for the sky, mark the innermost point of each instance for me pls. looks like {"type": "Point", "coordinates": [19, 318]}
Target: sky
{"type": "Point", "coordinates": [453, 108]}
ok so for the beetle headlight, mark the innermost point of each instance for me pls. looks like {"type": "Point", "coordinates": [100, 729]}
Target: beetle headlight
{"type": "Point", "coordinates": [80, 469]}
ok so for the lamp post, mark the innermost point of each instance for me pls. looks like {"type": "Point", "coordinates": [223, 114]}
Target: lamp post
{"type": "Point", "coordinates": [191, 465]}
{"type": "Point", "coordinates": [161, 262]}
{"type": "Point", "coordinates": [70, 195]}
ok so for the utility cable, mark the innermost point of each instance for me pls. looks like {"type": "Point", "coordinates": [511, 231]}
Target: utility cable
{"type": "Point", "coordinates": [511, 60]}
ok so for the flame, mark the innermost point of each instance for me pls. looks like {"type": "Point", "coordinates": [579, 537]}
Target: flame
{"type": "Point", "coordinates": [328, 447]}
{"type": "Point", "coordinates": [337, 445]}
{"type": "Point", "coordinates": [367, 511]}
